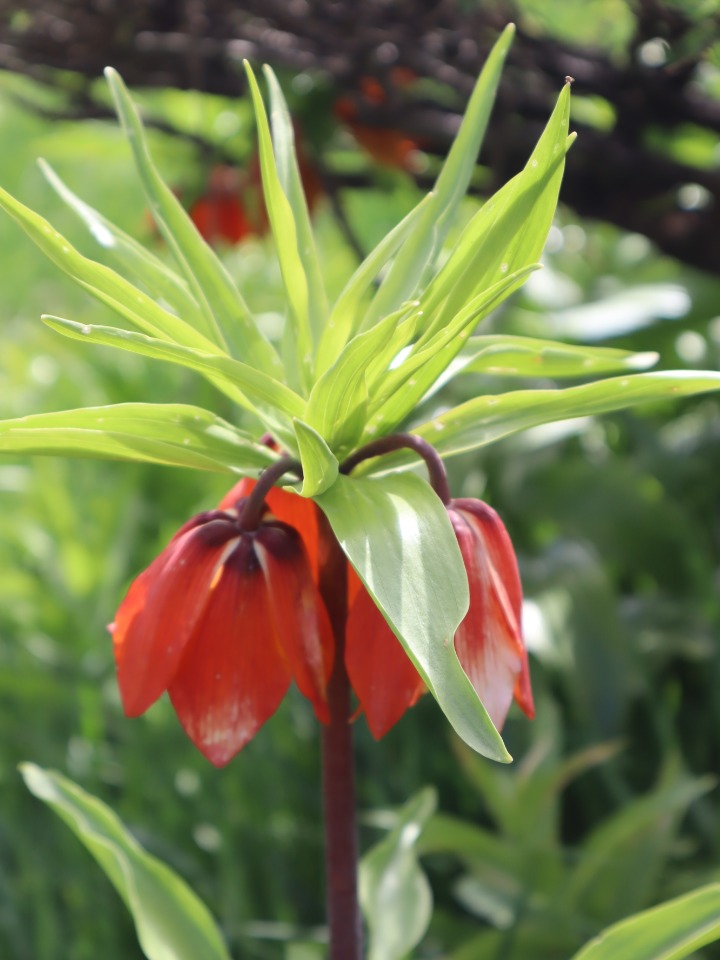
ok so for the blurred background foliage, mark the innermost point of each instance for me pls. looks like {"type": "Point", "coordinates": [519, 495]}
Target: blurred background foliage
{"type": "Point", "coordinates": [612, 803]}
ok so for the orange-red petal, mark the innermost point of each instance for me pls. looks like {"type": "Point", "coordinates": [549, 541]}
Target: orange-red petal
{"type": "Point", "coordinates": [234, 673]}
{"type": "Point", "coordinates": [157, 617]}
{"type": "Point", "coordinates": [298, 512]}
{"type": "Point", "coordinates": [489, 640]}
{"type": "Point", "coordinates": [301, 621]}
{"type": "Point", "coordinates": [381, 673]}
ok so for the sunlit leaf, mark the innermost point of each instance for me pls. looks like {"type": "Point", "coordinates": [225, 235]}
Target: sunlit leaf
{"type": "Point", "coordinates": [102, 282]}
{"type": "Point", "coordinates": [509, 232]}
{"type": "Point", "coordinates": [345, 319]}
{"type": "Point", "coordinates": [397, 393]}
{"type": "Point", "coordinates": [155, 277]}
{"type": "Point", "coordinates": [394, 892]}
{"type": "Point", "coordinates": [234, 375]}
{"type": "Point", "coordinates": [283, 138]}
{"type": "Point", "coordinates": [227, 318]}
{"type": "Point", "coordinates": [396, 533]}
{"type": "Point", "coordinates": [175, 435]}
{"type": "Point", "coordinates": [338, 403]}
{"type": "Point", "coordinates": [171, 922]}
{"type": "Point", "coordinates": [671, 931]}
{"type": "Point", "coordinates": [282, 221]}
{"type": "Point", "coordinates": [320, 468]}
{"type": "Point", "coordinates": [417, 255]}
{"type": "Point", "coordinates": [510, 356]}
{"type": "Point", "coordinates": [486, 419]}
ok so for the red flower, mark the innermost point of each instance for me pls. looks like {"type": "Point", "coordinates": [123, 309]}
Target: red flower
{"type": "Point", "coordinates": [219, 214]}
{"type": "Point", "coordinates": [388, 147]}
{"type": "Point", "coordinates": [223, 619]}
{"type": "Point", "coordinates": [488, 642]}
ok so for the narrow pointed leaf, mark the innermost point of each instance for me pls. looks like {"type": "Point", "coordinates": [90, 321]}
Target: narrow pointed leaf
{"type": "Point", "coordinates": [394, 892]}
{"type": "Point", "coordinates": [338, 403]}
{"type": "Point", "coordinates": [509, 232]}
{"type": "Point", "coordinates": [155, 277]}
{"type": "Point", "coordinates": [102, 282]}
{"type": "Point", "coordinates": [671, 931]}
{"type": "Point", "coordinates": [171, 922]}
{"type": "Point", "coordinates": [320, 467]}
{"type": "Point", "coordinates": [510, 356]}
{"type": "Point", "coordinates": [283, 138]}
{"type": "Point", "coordinates": [623, 854]}
{"type": "Point", "coordinates": [396, 533]}
{"type": "Point", "coordinates": [175, 435]}
{"type": "Point", "coordinates": [486, 419]}
{"type": "Point", "coordinates": [419, 252]}
{"type": "Point", "coordinates": [345, 319]}
{"type": "Point", "coordinates": [285, 234]}
{"type": "Point", "coordinates": [401, 389]}
{"type": "Point", "coordinates": [226, 315]}
{"type": "Point", "coordinates": [263, 391]}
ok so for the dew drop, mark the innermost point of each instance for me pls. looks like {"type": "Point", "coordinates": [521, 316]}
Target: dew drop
{"type": "Point", "coordinates": [533, 163]}
{"type": "Point", "coordinates": [504, 268]}
{"type": "Point", "coordinates": [86, 329]}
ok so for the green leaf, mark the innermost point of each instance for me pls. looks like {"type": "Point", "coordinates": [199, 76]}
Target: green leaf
{"type": "Point", "coordinates": [338, 402]}
{"type": "Point", "coordinates": [396, 533]}
{"type": "Point", "coordinates": [398, 392]}
{"type": "Point", "coordinates": [172, 434]}
{"type": "Point", "coordinates": [418, 254]}
{"type": "Point", "coordinates": [671, 931]}
{"type": "Point", "coordinates": [394, 892]}
{"type": "Point", "coordinates": [231, 375]}
{"type": "Point", "coordinates": [510, 356]}
{"type": "Point", "coordinates": [170, 921]}
{"type": "Point", "coordinates": [346, 317]}
{"type": "Point", "coordinates": [102, 282]}
{"type": "Point", "coordinates": [285, 234]}
{"type": "Point", "coordinates": [624, 854]}
{"type": "Point", "coordinates": [320, 468]}
{"type": "Point", "coordinates": [509, 232]}
{"type": "Point", "coordinates": [227, 319]}
{"type": "Point", "coordinates": [484, 420]}
{"type": "Point", "coordinates": [283, 138]}
{"type": "Point", "coordinates": [156, 277]}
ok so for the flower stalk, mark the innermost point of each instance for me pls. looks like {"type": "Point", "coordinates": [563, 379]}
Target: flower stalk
{"type": "Point", "coordinates": [255, 503]}
{"type": "Point", "coordinates": [338, 773]}
{"type": "Point", "coordinates": [437, 474]}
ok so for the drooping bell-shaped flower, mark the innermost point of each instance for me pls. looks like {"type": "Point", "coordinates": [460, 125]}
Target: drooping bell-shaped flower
{"type": "Point", "coordinates": [488, 642]}
{"type": "Point", "coordinates": [223, 620]}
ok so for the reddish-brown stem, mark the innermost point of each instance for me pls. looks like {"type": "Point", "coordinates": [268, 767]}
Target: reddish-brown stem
{"type": "Point", "coordinates": [341, 844]}
{"type": "Point", "coordinates": [252, 510]}
{"type": "Point", "coordinates": [396, 441]}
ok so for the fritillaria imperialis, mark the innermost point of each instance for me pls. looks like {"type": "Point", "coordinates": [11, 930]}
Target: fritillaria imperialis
{"type": "Point", "coordinates": [230, 612]}
{"type": "Point", "coordinates": [366, 578]}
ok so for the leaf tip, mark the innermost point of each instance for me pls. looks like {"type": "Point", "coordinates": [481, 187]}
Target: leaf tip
{"type": "Point", "coordinates": [36, 780]}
